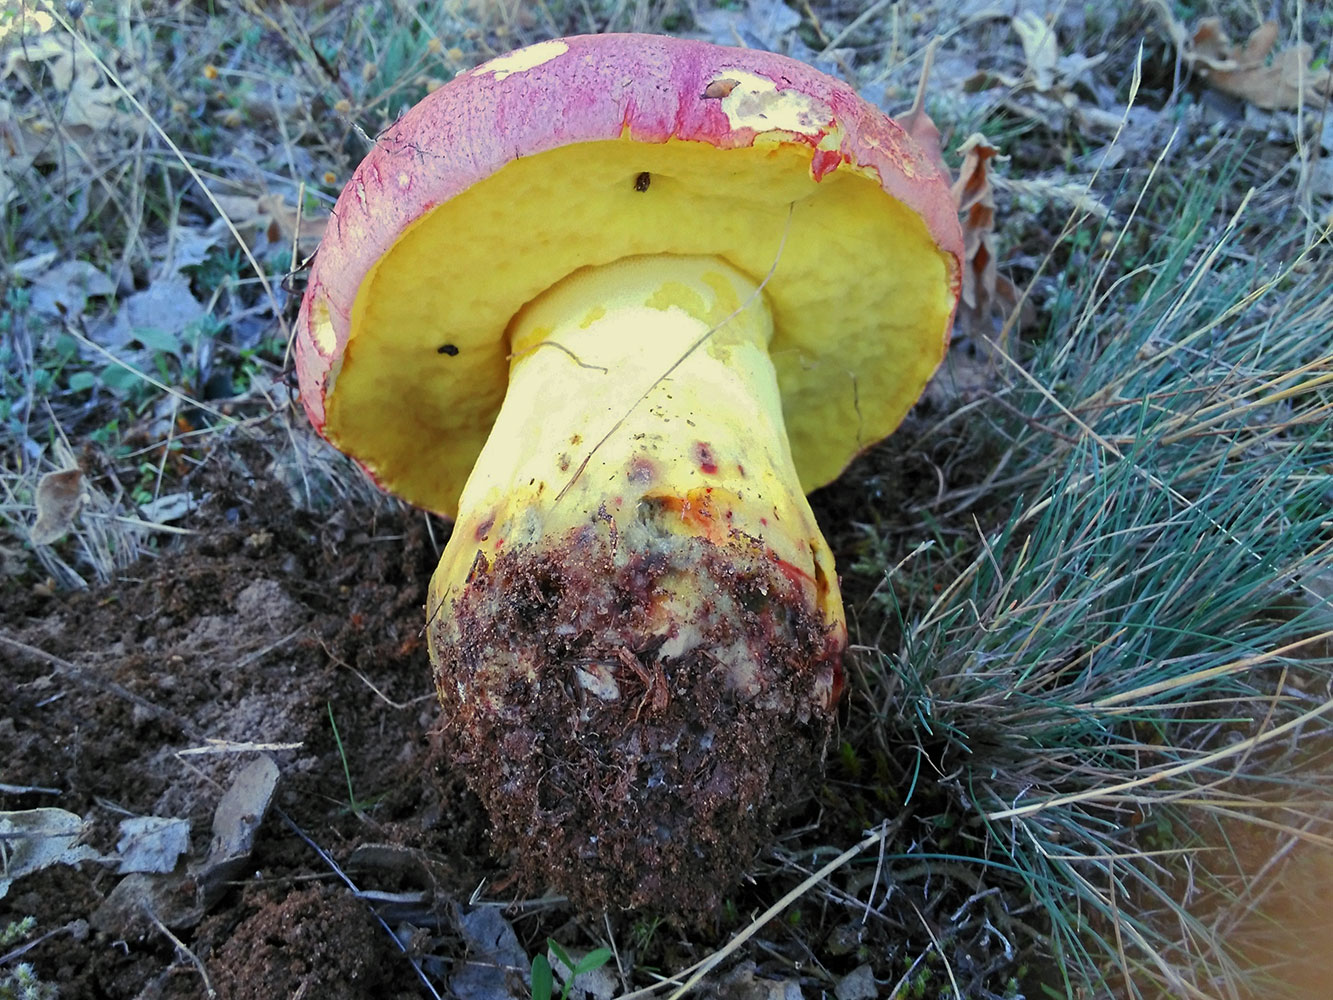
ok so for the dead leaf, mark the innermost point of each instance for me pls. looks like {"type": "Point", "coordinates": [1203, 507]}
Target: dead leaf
{"type": "Point", "coordinates": [1039, 47]}
{"type": "Point", "coordinates": [13, 562]}
{"type": "Point", "coordinates": [1252, 72]}
{"type": "Point", "coordinates": [78, 115]}
{"type": "Point", "coordinates": [859, 984]}
{"type": "Point", "coordinates": [41, 48]}
{"type": "Point", "coordinates": [14, 152]}
{"type": "Point", "coordinates": [600, 983]}
{"type": "Point", "coordinates": [66, 287]}
{"type": "Point", "coordinates": [27, 142]}
{"type": "Point", "coordinates": [123, 914]}
{"type": "Point", "coordinates": [496, 967]}
{"type": "Point", "coordinates": [271, 217]}
{"type": "Point", "coordinates": [181, 898]}
{"type": "Point", "coordinates": [186, 247]}
{"type": "Point", "coordinates": [237, 820]}
{"type": "Point", "coordinates": [918, 124]}
{"type": "Point", "coordinates": [152, 843]}
{"type": "Point", "coordinates": [159, 314]}
{"type": "Point", "coordinates": [90, 100]}
{"type": "Point", "coordinates": [984, 287]}
{"type": "Point", "coordinates": [24, 21]}
{"type": "Point", "coordinates": [1321, 178]}
{"type": "Point", "coordinates": [1268, 80]}
{"type": "Point", "coordinates": [741, 983]}
{"type": "Point", "coordinates": [286, 223]}
{"type": "Point", "coordinates": [33, 839]}
{"type": "Point", "coordinates": [59, 495]}
{"type": "Point", "coordinates": [986, 295]}
{"type": "Point", "coordinates": [168, 507]}
{"type": "Point", "coordinates": [758, 24]}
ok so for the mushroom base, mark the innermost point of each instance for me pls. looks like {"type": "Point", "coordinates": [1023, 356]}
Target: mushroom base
{"type": "Point", "coordinates": [622, 765]}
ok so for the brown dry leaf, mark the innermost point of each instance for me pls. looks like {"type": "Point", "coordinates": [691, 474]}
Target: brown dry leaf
{"type": "Point", "coordinates": [59, 495]}
{"type": "Point", "coordinates": [985, 294]}
{"type": "Point", "coordinates": [27, 140]}
{"type": "Point", "coordinates": [18, 145]}
{"type": "Point", "coordinates": [1254, 72]}
{"type": "Point", "coordinates": [41, 48]}
{"type": "Point", "coordinates": [88, 119]}
{"type": "Point", "coordinates": [90, 101]}
{"type": "Point", "coordinates": [983, 286]}
{"type": "Point", "coordinates": [918, 124]}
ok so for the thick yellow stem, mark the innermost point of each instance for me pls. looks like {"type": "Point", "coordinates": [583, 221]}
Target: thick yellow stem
{"type": "Point", "coordinates": [636, 588]}
{"type": "Point", "coordinates": [639, 385]}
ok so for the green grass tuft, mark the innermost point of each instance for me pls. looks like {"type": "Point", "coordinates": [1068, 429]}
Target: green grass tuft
{"type": "Point", "coordinates": [1133, 660]}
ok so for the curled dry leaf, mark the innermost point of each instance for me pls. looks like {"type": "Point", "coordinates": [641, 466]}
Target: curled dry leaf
{"type": "Point", "coordinates": [58, 497]}
{"type": "Point", "coordinates": [984, 287]}
{"type": "Point", "coordinates": [986, 294]}
{"type": "Point", "coordinates": [1254, 72]}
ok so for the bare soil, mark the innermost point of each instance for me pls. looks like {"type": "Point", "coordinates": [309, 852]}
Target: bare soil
{"type": "Point", "coordinates": [252, 631]}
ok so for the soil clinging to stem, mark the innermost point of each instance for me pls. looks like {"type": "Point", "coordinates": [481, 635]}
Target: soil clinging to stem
{"type": "Point", "coordinates": [635, 723]}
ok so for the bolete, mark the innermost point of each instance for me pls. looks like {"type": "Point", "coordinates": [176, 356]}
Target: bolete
{"type": "Point", "coordinates": [615, 304]}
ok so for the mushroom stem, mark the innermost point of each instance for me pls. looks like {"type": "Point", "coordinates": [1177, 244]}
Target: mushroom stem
{"type": "Point", "coordinates": [636, 588]}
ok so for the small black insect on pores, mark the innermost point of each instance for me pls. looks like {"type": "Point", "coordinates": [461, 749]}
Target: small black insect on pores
{"type": "Point", "coordinates": [642, 181]}
{"type": "Point", "coordinates": [448, 349]}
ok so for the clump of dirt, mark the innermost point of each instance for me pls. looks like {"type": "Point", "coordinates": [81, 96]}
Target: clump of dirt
{"type": "Point", "coordinates": [633, 708]}
{"type": "Point", "coordinates": [316, 942]}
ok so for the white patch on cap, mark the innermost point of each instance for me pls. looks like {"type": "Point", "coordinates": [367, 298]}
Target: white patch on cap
{"type": "Point", "coordinates": [756, 103]}
{"type": "Point", "coordinates": [523, 59]}
{"type": "Point", "coordinates": [321, 328]}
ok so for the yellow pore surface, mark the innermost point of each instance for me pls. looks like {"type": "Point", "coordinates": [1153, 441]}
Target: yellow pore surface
{"type": "Point", "coordinates": [860, 297]}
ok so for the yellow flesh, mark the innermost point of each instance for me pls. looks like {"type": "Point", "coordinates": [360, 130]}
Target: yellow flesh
{"type": "Point", "coordinates": [592, 433]}
{"type": "Point", "coordinates": [859, 297]}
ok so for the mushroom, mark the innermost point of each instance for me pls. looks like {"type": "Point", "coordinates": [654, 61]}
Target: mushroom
{"type": "Point", "coordinates": [615, 304]}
